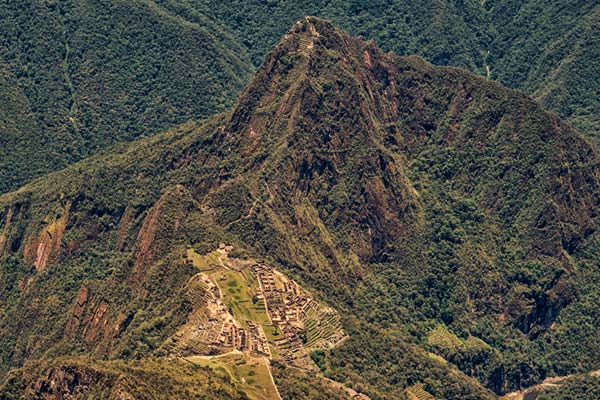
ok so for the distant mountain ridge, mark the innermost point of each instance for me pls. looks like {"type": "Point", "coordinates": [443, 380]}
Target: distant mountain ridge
{"type": "Point", "coordinates": [79, 76]}
{"type": "Point", "coordinates": [450, 221]}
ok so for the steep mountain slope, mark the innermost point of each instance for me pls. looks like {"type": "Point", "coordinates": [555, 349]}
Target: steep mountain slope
{"type": "Point", "coordinates": [87, 74]}
{"type": "Point", "coordinates": [563, 40]}
{"type": "Point", "coordinates": [80, 75]}
{"type": "Point", "coordinates": [449, 220]}
{"type": "Point", "coordinates": [83, 379]}
{"type": "Point", "coordinates": [547, 49]}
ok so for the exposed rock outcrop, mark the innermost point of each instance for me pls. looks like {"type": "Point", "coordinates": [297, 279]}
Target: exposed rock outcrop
{"type": "Point", "coordinates": [46, 245]}
{"type": "Point", "coordinates": [93, 320]}
{"type": "Point", "coordinates": [161, 225]}
{"type": "Point", "coordinates": [5, 220]}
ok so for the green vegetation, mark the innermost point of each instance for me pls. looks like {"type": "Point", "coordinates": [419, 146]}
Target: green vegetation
{"type": "Point", "coordinates": [577, 388]}
{"type": "Point", "coordinates": [404, 195]}
{"type": "Point", "coordinates": [77, 76]}
{"type": "Point", "coordinates": [296, 384]}
{"type": "Point", "coordinates": [251, 376]}
{"type": "Point", "coordinates": [548, 50]}
{"type": "Point", "coordinates": [148, 379]}
{"type": "Point", "coordinates": [239, 292]}
{"type": "Point", "coordinates": [272, 332]}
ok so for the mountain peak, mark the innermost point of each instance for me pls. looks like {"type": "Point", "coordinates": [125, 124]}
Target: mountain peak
{"type": "Point", "coordinates": [400, 192]}
{"type": "Point", "coordinates": [307, 32]}
{"type": "Point", "coordinates": [310, 60]}
{"type": "Point", "coordinates": [325, 105]}
{"type": "Point", "coordinates": [310, 31]}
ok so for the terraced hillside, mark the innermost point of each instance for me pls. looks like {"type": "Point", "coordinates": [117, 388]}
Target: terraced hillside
{"type": "Point", "coordinates": [417, 392]}
{"type": "Point", "coordinates": [405, 196]}
{"type": "Point", "coordinates": [247, 314]}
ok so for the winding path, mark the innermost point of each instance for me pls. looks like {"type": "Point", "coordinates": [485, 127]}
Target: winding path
{"type": "Point", "coordinates": [532, 392]}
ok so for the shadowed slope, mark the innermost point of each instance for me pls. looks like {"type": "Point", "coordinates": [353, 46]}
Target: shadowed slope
{"type": "Point", "coordinates": [405, 195]}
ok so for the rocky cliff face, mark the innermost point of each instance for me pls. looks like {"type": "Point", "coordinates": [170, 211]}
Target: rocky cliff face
{"type": "Point", "coordinates": [161, 225]}
{"type": "Point", "coordinates": [369, 153]}
{"type": "Point", "coordinates": [405, 195]}
{"type": "Point", "coordinates": [46, 244]}
{"type": "Point", "coordinates": [81, 379]}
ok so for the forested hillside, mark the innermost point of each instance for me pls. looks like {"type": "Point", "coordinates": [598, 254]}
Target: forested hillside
{"type": "Point", "coordinates": [80, 75]}
{"type": "Point", "coordinates": [450, 221]}
{"type": "Point", "coordinates": [549, 49]}
{"type": "Point", "coordinates": [77, 76]}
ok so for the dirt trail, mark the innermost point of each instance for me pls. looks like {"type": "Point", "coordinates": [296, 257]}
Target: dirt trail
{"type": "Point", "coordinates": [268, 362]}
{"type": "Point", "coordinates": [351, 392]}
{"type": "Point", "coordinates": [488, 69]}
{"type": "Point", "coordinates": [532, 392]}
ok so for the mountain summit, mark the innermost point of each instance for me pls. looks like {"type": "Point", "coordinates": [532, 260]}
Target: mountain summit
{"type": "Point", "coordinates": [443, 228]}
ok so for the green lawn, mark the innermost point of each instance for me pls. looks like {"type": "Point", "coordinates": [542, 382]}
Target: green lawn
{"type": "Point", "coordinates": [272, 332]}
{"type": "Point", "coordinates": [238, 292]}
{"type": "Point", "coordinates": [250, 375]}
{"type": "Point", "coordinates": [238, 288]}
